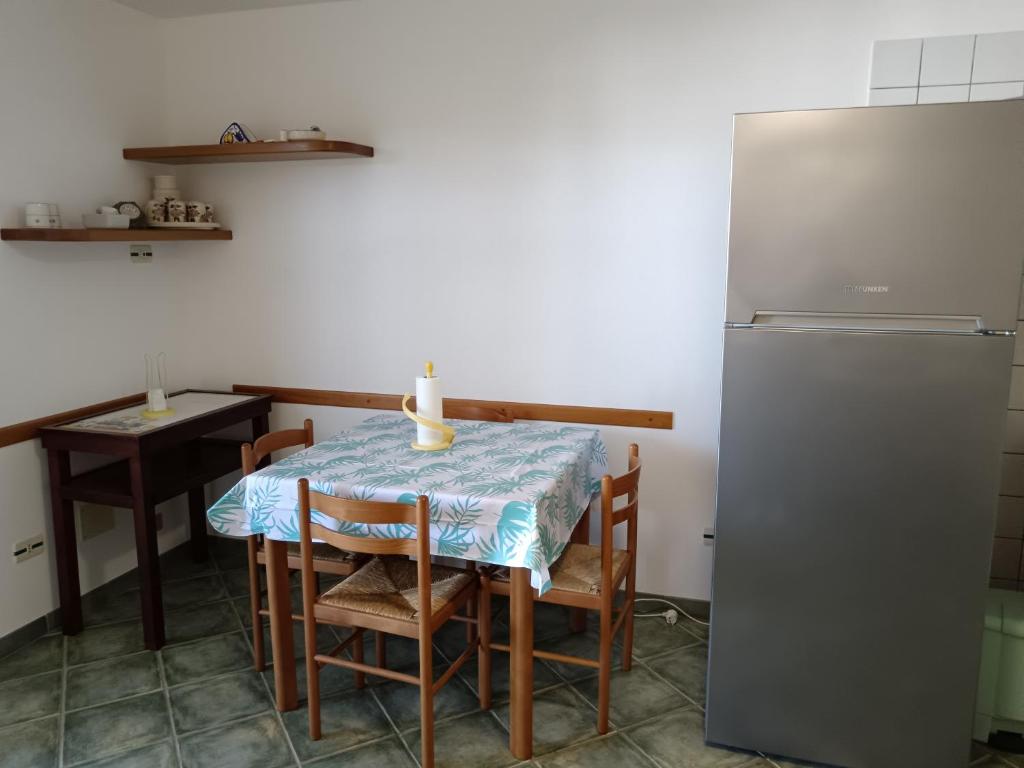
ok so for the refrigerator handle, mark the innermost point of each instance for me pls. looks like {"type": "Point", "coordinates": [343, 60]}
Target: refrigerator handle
{"type": "Point", "coordinates": [851, 321]}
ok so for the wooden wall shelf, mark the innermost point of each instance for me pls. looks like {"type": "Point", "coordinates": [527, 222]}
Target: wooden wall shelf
{"type": "Point", "coordinates": [112, 235]}
{"type": "Point", "coordinates": [254, 152]}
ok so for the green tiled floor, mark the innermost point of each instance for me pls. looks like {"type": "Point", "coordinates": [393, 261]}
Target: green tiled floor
{"type": "Point", "coordinates": [101, 700]}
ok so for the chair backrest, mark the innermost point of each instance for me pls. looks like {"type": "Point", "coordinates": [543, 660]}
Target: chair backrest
{"type": "Point", "coordinates": [475, 413]}
{"type": "Point", "coordinates": [253, 454]}
{"type": "Point", "coordinates": [627, 485]}
{"type": "Point", "coordinates": [352, 512]}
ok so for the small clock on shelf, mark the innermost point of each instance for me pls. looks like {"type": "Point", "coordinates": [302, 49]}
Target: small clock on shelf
{"type": "Point", "coordinates": [137, 219]}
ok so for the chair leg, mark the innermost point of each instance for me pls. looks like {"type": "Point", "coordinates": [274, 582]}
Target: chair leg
{"type": "Point", "coordinates": [381, 649]}
{"type": "Point", "coordinates": [484, 652]}
{"type": "Point", "coordinates": [259, 658]}
{"type": "Point", "coordinates": [357, 655]}
{"type": "Point", "coordinates": [627, 623]}
{"type": "Point", "coordinates": [426, 706]}
{"type": "Point", "coordinates": [471, 610]}
{"type": "Point", "coordinates": [312, 678]}
{"type": "Point", "coordinates": [471, 629]}
{"type": "Point", "coordinates": [604, 680]}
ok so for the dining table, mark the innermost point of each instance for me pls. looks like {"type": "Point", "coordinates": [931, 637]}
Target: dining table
{"type": "Point", "coordinates": [508, 494]}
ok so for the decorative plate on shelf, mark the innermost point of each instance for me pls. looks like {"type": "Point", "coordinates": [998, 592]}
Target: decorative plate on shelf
{"type": "Point", "coordinates": [184, 225]}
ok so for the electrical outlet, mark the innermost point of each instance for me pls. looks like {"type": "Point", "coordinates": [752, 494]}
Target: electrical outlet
{"type": "Point", "coordinates": [94, 519]}
{"type": "Point", "coordinates": [141, 254]}
{"type": "Point", "coordinates": [28, 548]}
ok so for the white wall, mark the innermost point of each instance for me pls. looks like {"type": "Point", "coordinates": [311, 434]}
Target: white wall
{"type": "Point", "coordinates": [557, 172]}
{"type": "Point", "coordinates": [76, 84]}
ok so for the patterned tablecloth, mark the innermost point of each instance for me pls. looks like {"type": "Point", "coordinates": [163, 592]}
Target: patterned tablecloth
{"type": "Point", "coordinates": [508, 494]}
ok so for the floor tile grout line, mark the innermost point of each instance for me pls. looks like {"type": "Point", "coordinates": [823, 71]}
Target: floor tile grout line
{"type": "Point", "coordinates": [23, 678]}
{"type": "Point", "coordinates": [280, 722]}
{"type": "Point", "coordinates": [210, 678]}
{"type": "Point", "coordinates": [266, 687]}
{"type": "Point", "coordinates": [219, 726]}
{"type": "Point", "coordinates": [671, 685]}
{"type": "Point", "coordinates": [62, 711]}
{"type": "Point", "coordinates": [170, 710]}
{"type": "Point", "coordinates": [169, 646]}
{"type": "Point", "coordinates": [119, 700]}
{"type": "Point", "coordinates": [138, 618]}
{"type": "Point", "coordinates": [394, 727]}
{"type": "Point", "coordinates": [120, 752]}
{"type": "Point", "coordinates": [585, 742]}
{"type": "Point", "coordinates": [30, 721]}
{"type": "Point", "coordinates": [649, 757]}
{"type": "Point", "coordinates": [107, 659]}
{"type": "Point", "coordinates": [351, 748]}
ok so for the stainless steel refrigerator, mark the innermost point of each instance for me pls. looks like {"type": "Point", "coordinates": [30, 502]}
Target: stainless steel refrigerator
{"type": "Point", "coordinates": [874, 274]}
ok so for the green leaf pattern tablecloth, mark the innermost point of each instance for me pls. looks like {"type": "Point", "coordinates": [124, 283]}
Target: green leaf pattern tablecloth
{"type": "Point", "coordinates": [508, 494]}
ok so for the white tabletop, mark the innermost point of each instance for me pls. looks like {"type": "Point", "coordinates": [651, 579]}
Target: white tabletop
{"type": "Point", "coordinates": [130, 420]}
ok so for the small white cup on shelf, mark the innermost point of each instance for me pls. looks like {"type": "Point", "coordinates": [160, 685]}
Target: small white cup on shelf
{"type": "Point", "coordinates": [42, 215]}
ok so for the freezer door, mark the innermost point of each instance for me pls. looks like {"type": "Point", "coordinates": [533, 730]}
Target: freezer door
{"type": "Point", "coordinates": [911, 210]}
{"type": "Point", "coordinates": [858, 475]}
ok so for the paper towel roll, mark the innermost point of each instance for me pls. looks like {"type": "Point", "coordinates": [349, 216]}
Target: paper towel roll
{"type": "Point", "coordinates": [428, 405]}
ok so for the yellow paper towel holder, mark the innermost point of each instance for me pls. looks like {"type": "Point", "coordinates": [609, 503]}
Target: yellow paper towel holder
{"type": "Point", "coordinates": [448, 434]}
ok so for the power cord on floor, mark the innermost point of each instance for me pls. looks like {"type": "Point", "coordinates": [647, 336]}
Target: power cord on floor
{"type": "Point", "coordinates": [670, 616]}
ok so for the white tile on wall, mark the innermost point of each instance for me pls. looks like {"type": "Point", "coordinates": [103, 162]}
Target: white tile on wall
{"type": "Point", "coordinates": [996, 91]}
{"type": "Point", "coordinates": [896, 63]}
{"type": "Point", "coordinates": [1012, 481]}
{"type": "Point", "coordinates": [947, 60]}
{"type": "Point", "coordinates": [1006, 558]}
{"type": "Point", "coordinates": [1010, 518]}
{"type": "Point", "coordinates": [888, 97]}
{"type": "Point", "coordinates": [999, 57]}
{"type": "Point", "coordinates": [1014, 439]}
{"type": "Point", "coordinates": [943, 94]}
{"type": "Point", "coordinates": [1017, 388]}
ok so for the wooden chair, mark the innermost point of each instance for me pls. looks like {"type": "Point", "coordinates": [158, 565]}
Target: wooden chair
{"type": "Point", "coordinates": [326, 559]}
{"type": "Point", "coordinates": [586, 577]}
{"type": "Point", "coordinates": [386, 596]}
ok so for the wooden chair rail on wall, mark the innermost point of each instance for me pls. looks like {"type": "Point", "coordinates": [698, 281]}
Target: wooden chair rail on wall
{"type": "Point", "coordinates": [574, 414]}
{"type": "Point", "coordinates": [29, 430]}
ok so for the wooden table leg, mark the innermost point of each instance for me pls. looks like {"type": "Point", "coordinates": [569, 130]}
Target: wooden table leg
{"type": "Point", "coordinates": [144, 514]}
{"type": "Point", "coordinates": [521, 703]}
{"type": "Point", "coordinates": [197, 523]}
{"type": "Point", "coordinates": [65, 544]}
{"type": "Point", "coordinates": [281, 638]}
{"type": "Point", "coordinates": [580, 535]}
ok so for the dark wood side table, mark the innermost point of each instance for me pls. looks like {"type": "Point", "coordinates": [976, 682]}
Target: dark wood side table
{"type": "Point", "coordinates": [158, 460]}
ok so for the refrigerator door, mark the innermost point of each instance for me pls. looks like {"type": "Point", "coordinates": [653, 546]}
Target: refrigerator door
{"type": "Point", "coordinates": [878, 210]}
{"type": "Point", "coordinates": [858, 474]}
